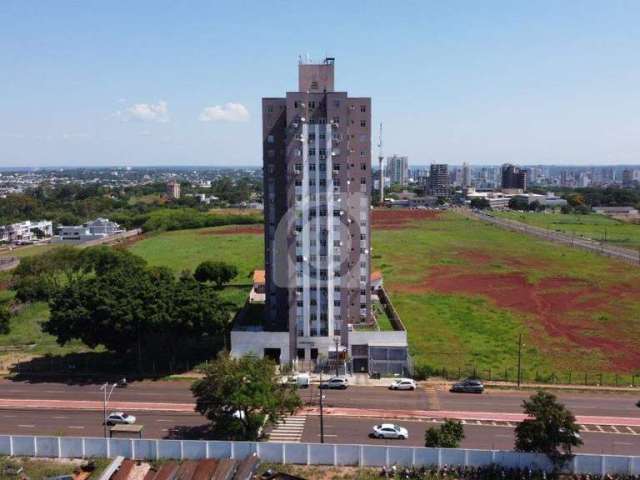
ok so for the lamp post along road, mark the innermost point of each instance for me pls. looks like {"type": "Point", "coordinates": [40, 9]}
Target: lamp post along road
{"type": "Point", "coordinates": [337, 339]}
{"type": "Point", "coordinates": [321, 411]}
{"type": "Point", "coordinates": [519, 359]}
{"type": "Point", "coordinates": [105, 387]}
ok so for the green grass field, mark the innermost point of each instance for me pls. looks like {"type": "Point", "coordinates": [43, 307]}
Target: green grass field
{"type": "Point", "coordinates": [465, 290]}
{"type": "Point", "coordinates": [462, 323]}
{"type": "Point", "coordinates": [594, 226]}
{"type": "Point", "coordinates": [185, 249]}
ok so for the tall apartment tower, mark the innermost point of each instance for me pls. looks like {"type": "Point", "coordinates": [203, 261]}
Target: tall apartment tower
{"type": "Point", "coordinates": [398, 170]}
{"type": "Point", "coordinates": [466, 175]}
{"type": "Point", "coordinates": [513, 178]}
{"type": "Point", "coordinates": [317, 180]}
{"type": "Point", "coordinates": [439, 179]}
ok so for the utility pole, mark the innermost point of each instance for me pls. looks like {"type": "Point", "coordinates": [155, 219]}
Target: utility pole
{"type": "Point", "coordinates": [380, 168]}
{"type": "Point", "coordinates": [105, 387]}
{"type": "Point", "coordinates": [337, 356]}
{"type": "Point", "coordinates": [321, 411]}
{"type": "Point", "coordinates": [519, 359]}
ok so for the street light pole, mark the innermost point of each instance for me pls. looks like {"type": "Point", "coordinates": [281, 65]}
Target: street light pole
{"type": "Point", "coordinates": [106, 399]}
{"type": "Point", "coordinates": [336, 340]}
{"type": "Point", "coordinates": [321, 412]}
{"type": "Point", "coordinates": [519, 359]}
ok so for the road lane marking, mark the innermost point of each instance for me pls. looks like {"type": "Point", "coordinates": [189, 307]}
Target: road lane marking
{"type": "Point", "coordinates": [631, 430]}
{"type": "Point", "coordinates": [27, 426]}
{"type": "Point", "coordinates": [327, 435]}
{"type": "Point", "coordinates": [9, 416]}
{"type": "Point", "coordinates": [162, 420]}
{"type": "Point", "coordinates": [615, 429]}
{"type": "Point", "coordinates": [59, 417]}
{"type": "Point", "coordinates": [599, 428]}
{"type": "Point", "coordinates": [76, 427]}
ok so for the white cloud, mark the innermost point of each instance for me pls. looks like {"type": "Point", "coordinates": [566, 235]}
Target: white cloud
{"type": "Point", "coordinates": [229, 112]}
{"type": "Point", "coordinates": [147, 112]}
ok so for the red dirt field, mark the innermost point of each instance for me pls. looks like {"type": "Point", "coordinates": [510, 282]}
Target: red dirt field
{"type": "Point", "coordinates": [235, 230]}
{"type": "Point", "coordinates": [393, 219]}
{"type": "Point", "coordinates": [552, 301]}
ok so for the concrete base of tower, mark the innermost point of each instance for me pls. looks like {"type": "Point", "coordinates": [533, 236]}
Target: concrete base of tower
{"type": "Point", "coordinates": [274, 345]}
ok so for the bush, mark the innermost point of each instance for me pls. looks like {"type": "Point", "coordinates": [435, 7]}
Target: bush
{"type": "Point", "coordinates": [422, 372]}
{"type": "Point", "coordinates": [189, 218]}
{"type": "Point", "coordinates": [447, 435]}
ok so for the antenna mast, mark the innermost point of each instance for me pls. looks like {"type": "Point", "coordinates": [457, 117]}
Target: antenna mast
{"type": "Point", "coordinates": [380, 170]}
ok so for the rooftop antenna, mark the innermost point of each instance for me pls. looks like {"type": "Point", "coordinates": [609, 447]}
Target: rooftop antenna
{"type": "Point", "coordinates": [380, 171]}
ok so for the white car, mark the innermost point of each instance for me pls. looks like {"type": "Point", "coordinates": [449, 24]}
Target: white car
{"type": "Point", "coordinates": [340, 383]}
{"type": "Point", "coordinates": [389, 430]}
{"type": "Point", "coordinates": [403, 384]}
{"type": "Point", "coordinates": [120, 418]}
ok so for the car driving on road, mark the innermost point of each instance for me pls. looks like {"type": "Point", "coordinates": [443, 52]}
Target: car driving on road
{"type": "Point", "coordinates": [389, 430]}
{"type": "Point", "coordinates": [469, 385]}
{"type": "Point", "coordinates": [120, 418]}
{"type": "Point", "coordinates": [403, 384]}
{"type": "Point", "coordinates": [335, 383]}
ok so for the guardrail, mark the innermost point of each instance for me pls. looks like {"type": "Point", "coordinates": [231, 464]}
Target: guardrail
{"type": "Point", "coordinates": [302, 453]}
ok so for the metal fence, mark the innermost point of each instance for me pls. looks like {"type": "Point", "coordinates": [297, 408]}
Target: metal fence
{"type": "Point", "coordinates": [510, 375]}
{"type": "Point", "coordinates": [302, 453]}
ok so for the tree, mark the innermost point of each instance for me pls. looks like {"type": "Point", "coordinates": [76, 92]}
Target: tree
{"type": "Point", "coordinates": [550, 429]}
{"type": "Point", "coordinates": [240, 395]}
{"type": "Point", "coordinates": [447, 435]}
{"type": "Point", "coordinates": [480, 203]}
{"type": "Point", "coordinates": [37, 278]}
{"type": "Point", "coordinates": [518, 203]}
{"type": "Point", "coordinates": [130, 308]}
{"type": "Point", "coordinates": [217, 272]}
{"type": "Point", "coordinates": [5, 319]}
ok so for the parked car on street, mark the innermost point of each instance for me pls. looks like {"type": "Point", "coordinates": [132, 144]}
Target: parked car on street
{"type": "Point", "coordinates": [335, 383]}
{"type": "Point", "coordinates": [120, 418]}
{"type": "Point", "coordinates": [389, 430]}
{"type": "Point", "coordinates": [468, 385]}
{"type": "Point", "coordinates": [403, 384]}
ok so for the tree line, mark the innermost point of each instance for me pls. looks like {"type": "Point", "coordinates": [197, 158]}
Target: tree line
{"type": "Point", "coordinates": [74, 204]}
{"type": "Point", "coordinates": [111, 298]}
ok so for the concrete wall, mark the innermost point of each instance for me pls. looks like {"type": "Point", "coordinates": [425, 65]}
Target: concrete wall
{"type": "Point", "coordinates": [302, 453]}
{"type": "Point", "coordinates": [390, 338]}
{"type": "Point", "coordinates": [243, 343]}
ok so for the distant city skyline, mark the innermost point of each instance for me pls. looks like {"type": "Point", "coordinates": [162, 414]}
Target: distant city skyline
{"type": "Point", "coordinates": [145, 84]}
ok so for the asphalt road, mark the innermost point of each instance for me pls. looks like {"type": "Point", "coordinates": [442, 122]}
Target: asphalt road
{"type": "Point", "coordinates": [147, 391]}
{"type": "Point", "coordinates": [356, 430]}
{"type": "Point", "coordinates": [580, 403]}
{"type": "Point", "coordinates": [587, 403]}
{"type": "Point", "coordinates": [89, 424]}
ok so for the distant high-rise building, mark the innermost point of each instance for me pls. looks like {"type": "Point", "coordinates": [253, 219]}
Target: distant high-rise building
{"type": "Point", "coordinates": [173, 189]}
{"type": "Point", "coordinates": [398, 169]}
{"type": "Point", "coordinates": [627, 178]}
{"type": "Point", "coordinates": [439, 179]}
{"type": "Point", "coordinates": [466, 175]}
{"type": "Point", "coordinates": [513, 177]}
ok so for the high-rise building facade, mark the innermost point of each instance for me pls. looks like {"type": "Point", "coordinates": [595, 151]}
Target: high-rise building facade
{"type": "Point", "coordinates": [317, 179]}
{"type": "Point", "coordinates": [439, 179]}
{"type": "Point", "coordinates": [173, 189]}
{"type": "Point", "coordinates": [466, 175]}
{"type": "Point", "coordinates": [513, 177]}
{"type": "Point", "coordinates": [398, 170]}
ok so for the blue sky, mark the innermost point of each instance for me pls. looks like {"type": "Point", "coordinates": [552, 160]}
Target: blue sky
{"type": "Point", "coordinates": [166, 82]}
